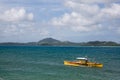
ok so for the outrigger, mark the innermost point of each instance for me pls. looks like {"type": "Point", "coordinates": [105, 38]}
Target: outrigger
{"type": "Point", "coordinates": [83, 62]}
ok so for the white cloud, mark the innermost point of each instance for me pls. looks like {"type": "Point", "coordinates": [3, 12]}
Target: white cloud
{"type": "Point", "coordinates": [30, 16]}
{"type": "Point", "coordinates": [94, 1]}
{"type": "Point", "coordinates": [86, 17]}
{"type": "Point", "coordinates": [9, 30]}
{"type": "Point", "coordinates": [83, 8]}
{"type": "Point", "coordinates": [74, 21]}
{"type": "Point", "coordinates": [22, 30]}
{"type": "Point", "coordinates": [112, 12]}
{"type": "Point", "coordinates": [73, 18]}
{"type": "Point", "coordinates": [15, 15]}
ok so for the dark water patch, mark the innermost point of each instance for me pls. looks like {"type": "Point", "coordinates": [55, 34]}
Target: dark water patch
{"type": "Point", "coordinates": [113, 71]}
{"type": "Point", "coordinates": [115, 59]}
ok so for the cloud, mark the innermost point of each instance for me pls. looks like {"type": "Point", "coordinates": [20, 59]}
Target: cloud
{"type": "Point", "coordinates": [112, 12]}
{"type": "Point", "coordinates": [22, 31]}
{"type": "Point", "coordinates": [94, 1]}
{"type": "Point", "coordinates": [85, 17]}
{"type": "Point", "coordinates": [16, 15]}
{"type": "Point", "coordinates": [83, 8]}
{"type": "Point", "coordinates": [75, 21]}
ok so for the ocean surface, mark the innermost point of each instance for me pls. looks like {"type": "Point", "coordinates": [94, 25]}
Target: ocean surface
{"type": "Point", "coordinates": [46, 63]}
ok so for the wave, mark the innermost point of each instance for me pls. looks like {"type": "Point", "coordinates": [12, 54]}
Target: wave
{"type": "Point", "coordinates": [1, 78]}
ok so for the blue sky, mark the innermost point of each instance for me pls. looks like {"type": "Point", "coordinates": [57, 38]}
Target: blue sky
{"type": "Point", "coordinates": [73, 20]}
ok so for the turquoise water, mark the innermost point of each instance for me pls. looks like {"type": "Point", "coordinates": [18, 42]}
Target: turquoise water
{"type": "Point", "coordinates": [46, 63]}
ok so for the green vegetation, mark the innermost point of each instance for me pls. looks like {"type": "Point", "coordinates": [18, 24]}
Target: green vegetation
{"type": "Point", "coordinates": [54, 42]}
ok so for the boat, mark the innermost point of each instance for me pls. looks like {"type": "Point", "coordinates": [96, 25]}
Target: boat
{"type": "Point", "coordinates": [83, 62]}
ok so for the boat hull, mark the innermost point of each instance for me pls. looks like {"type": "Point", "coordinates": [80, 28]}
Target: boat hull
{"type": "Point", "coordinates": [88, 64]}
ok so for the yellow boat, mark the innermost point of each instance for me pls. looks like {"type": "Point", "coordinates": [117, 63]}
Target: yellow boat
{"type": "Point", "coordinates": [83, 62]}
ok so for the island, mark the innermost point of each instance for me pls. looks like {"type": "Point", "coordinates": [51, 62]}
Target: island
{"type": "Point", "coordinates": [55, 42]}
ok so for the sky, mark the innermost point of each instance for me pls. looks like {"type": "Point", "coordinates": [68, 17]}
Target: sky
{"type": "Point", "coordinates": [66, 20]}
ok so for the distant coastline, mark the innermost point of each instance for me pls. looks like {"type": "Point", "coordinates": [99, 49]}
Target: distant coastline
{"type": "Point", "coordinates": [54, 42]}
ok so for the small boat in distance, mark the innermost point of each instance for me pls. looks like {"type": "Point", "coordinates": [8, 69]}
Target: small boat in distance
{"type": "Point", "coordinates": [83, 62]}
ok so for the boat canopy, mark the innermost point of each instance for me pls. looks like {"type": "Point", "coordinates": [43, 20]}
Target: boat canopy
{"type": "Point", "coordinates": [81, 58]}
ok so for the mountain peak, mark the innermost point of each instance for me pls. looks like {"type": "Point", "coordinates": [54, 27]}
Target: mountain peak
{"type": "Point", "coordinates": [49, 41]}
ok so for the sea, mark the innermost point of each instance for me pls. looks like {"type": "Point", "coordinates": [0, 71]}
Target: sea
{"type": "Point", "coordinates": [46, 63]}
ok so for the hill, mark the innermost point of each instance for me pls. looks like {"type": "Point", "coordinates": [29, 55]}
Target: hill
{"type": "Point", "coordinates": [102, 43]}
{"type": "Point", "coordinates": [55, 42]}
{"type": "Point", "coordinates": [49, 41]}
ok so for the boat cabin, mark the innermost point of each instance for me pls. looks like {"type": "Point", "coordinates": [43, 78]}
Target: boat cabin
{"type": "Point", "coordinates": [82, 60]}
